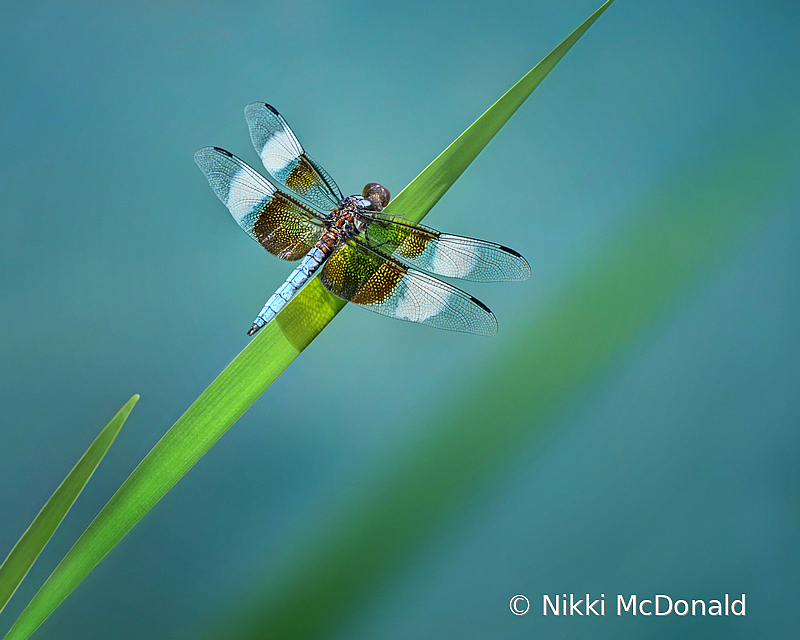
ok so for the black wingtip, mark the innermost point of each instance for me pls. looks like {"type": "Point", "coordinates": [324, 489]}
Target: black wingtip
{"type": "Point", "coordinates": [525, 272]}
{"type": "Point", "coordinates": [253, 330]}
{"type": "Point", "coordinates": [491, 329]}
{"type": "Point", "coordinates": [511, 251]}
{"type": "Point", "coordinates": [481, 305]}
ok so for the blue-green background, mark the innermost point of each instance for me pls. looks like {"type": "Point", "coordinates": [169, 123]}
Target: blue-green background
{"type": "Point", "coordinates": [672, 469]}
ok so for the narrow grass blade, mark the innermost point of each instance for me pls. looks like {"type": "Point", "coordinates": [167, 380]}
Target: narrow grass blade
{"type": "Point", "coordinates": [691, 221]}
{"type": "Point", "coordinates": [258, 365]}
{"type": "Point", "coordinates": [418, 198]}
{"type": "Point", "coordinates": [30, 545]}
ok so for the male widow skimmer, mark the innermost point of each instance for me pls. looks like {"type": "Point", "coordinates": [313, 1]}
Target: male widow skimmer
{"type": "Point", "coordinates": [367, 257]}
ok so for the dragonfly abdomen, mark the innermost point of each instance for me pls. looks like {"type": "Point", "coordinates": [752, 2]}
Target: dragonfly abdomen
{"type": "Point", "coordinates": [308, 266]}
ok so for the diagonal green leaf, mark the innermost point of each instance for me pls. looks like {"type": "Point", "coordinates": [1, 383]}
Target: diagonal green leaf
{"type": "Point", "coordinates": [16, 566]}
{"type": "Point", "coordinates": [259, 364]}
{"type": "Point", "coordinates": [418, 198]}
{"type": "Point", "coordinates": [691, 221]}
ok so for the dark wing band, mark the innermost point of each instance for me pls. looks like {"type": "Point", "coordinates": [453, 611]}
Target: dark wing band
{"type": "Point", "coordinates": [356, 273]}
{"type": "Point", "coordinates": [445, 254]}
{"type": "Point", "coordinates": [282, 225]}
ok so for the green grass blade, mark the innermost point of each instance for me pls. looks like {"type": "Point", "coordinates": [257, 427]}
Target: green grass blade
{"type": "Point", "coordinates": [690, 222]}
{"type": "Point", "coordinates": [16, 566]}
{"type": "Point", "coordinates": [417, 199]}
{"type": "Point", "coordinates": [258, 365]}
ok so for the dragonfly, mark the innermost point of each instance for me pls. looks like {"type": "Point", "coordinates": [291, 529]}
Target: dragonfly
{"type": "Point", "coordinates": [377, 260]}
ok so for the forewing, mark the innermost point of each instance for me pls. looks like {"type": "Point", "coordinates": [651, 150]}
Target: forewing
{"type": "Point", "coordinates": [381, 284]}
{"type": "Point", "coordinates": [286, 160]}
{"type": "Point", "coordinates": [445, 254]}
{"type": "Point", "coordinates": [279, 223]}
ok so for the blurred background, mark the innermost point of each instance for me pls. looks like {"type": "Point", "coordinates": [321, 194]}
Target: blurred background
{"type": "Point", "coordinates": [633, 427]}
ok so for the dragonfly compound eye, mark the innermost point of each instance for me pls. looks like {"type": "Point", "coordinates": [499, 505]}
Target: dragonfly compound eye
{"type": "Point", "coordinates": [377, 194]}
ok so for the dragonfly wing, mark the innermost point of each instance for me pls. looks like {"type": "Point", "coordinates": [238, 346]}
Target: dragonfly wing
{"type": "Point", "coordinates": [281, 224]}
{"type": "Point", "coordinates": [445, 254]}
{"type": "Point", "coordinates": [286, 160]}
{"type": "Point", "coordinates": [379, 283]}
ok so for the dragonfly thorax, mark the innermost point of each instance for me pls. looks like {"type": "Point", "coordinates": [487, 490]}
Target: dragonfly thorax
{"type": "Point", "coordinates": [347, 216]}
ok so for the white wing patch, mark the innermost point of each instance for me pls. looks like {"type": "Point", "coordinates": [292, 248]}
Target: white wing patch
{"type": "Point", "coordinates": [245, 193]}
{"type": "Point", "coordinates": [447, 258]}
{"type": "Point", "coordinates": [279, 151]}
{"type": "Point", "coordinates": [240, 187]}
{"type": "Point", "coordinates": [411, 307]}
{"type": "Point", "coordinates": [453, 262]}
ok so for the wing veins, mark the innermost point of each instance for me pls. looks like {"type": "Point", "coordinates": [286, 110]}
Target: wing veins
{"type": "Point", "coordinates": [443, 254]}
{"type": "Point", "coordinates": [474, 316]}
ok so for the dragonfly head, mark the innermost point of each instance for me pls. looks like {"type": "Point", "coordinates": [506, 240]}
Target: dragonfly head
{"type": "Point", "coordinates": [377, 194]}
